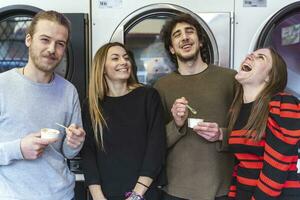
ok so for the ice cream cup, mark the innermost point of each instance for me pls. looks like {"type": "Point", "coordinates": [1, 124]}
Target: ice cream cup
{"type": "Point", "coordinates": [49, 133]}
{"type": "Point", "coordinates": [192, 122]}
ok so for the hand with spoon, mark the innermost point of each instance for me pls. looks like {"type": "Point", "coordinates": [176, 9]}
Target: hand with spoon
{"type": "Point", "coordinates": [75, 135]}
{"type": "Point", "coordinates": [180, 111]}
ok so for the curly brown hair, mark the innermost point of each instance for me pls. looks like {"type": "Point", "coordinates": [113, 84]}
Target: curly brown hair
{"type": "Point", "coordinates": [166, 34]}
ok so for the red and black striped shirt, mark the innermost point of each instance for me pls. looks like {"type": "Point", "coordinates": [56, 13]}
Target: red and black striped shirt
{"type": "Point", "coordinates": [267, 170]}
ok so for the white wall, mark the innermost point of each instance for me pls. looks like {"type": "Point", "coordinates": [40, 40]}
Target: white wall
{"type": "Point", "coordinates": [66, 6]}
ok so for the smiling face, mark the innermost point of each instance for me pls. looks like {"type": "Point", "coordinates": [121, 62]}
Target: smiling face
{"type": "Point", "coordinates": [255, 69]}
{"type": "Point", "coordinates": [117, 65]}
{"type": "Point", "coordinates": [47, 45]}
{"type": "Point", "coordinates": [185, 42]}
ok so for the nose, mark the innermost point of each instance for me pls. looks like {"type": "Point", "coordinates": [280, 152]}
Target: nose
{"type": "Point", "coordinates": [51, 48]}
{"type": "Point", "coordinates": [123, 61]}
{"type": "Point", "coordinates": [184, 36]}
{"type": "Point", "coordinates": [250, 56]}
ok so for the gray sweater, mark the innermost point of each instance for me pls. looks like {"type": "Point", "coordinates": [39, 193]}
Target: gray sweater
{"type": "Point", "coordinates": [26, 107]}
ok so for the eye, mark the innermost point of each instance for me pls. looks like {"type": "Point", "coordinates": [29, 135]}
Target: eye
{"type": "Point", "coordinates": [44, 40]}
{"type": "Point", "coordinates": [261, 57]}
{"type": "Point", "coordinates": [176, 34]}
{"type": "Point", "coordinates": [114, 58]}
{"type": "Point", "coordinates": [190, 31]}
{"type": "Point", "coordinates": [62, 44]}
{"type": "Point", "coordinates": [126, 57]}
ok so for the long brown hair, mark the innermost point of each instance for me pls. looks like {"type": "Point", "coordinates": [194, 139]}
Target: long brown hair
{"type": "Point", "coordinates": [98, 89]}
{"type": "Point", "coordinates": [257, 122]}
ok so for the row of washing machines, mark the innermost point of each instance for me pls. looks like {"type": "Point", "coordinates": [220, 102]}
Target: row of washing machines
{"type": "Point", "coordinates": [233, 28]}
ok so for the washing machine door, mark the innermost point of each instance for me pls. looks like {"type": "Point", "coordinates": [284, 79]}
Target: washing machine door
{"type": "Point", "coordinates": [140, 32]}
{"type": "Point", "coordinates": [282, 32]}
{"type": "Point", "coordinates": [14, 21]}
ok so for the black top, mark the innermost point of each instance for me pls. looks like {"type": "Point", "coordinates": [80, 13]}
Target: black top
{"type": "Point", "coordinates": [134, 143]}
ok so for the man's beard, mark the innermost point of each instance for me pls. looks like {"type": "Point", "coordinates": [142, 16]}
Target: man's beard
{"type": "Point", "coordinates": [192, 57]}
{"type": "Point", "coordinates": [37, 59]}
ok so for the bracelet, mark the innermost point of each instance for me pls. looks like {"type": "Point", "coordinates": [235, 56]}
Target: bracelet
{"type": "Point", "coordinates": [134, 196]}
{"type": "Point", "coordinates": [146, 186]}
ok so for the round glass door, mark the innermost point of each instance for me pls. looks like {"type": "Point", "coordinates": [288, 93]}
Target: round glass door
{"type": "Point", "coordinates": [13, 51]}
{"type": "Point", "coordinates": [140, 32]}
{"type": "Point", "coordinates": [282, 33]}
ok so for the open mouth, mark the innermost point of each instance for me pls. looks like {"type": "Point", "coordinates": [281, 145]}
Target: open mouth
{"type": "Point", "coordinates": [186, 45]}
{"type": "Point", "coordinates": [246, 68]}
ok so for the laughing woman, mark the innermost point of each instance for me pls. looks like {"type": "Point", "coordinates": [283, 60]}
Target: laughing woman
{"type": "Point", "coordinates": [265, 124]}
{"type": "Point", "coordinates": [125, 146]}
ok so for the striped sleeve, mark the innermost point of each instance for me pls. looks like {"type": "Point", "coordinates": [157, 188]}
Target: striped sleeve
{"type": "Point", "coordinates": [232, 188]}
{"type": "Point", "coordinates": [281, 148]}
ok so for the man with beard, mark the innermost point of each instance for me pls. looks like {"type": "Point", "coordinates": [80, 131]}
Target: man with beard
{"type": "Point", "coordinates": [32, 98]}
{"type": "Point", "coordinates": [197, 169]}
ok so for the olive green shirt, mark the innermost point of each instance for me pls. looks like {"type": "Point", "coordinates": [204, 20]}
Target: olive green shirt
{"type": "Point", "coordinates": [196, 169]}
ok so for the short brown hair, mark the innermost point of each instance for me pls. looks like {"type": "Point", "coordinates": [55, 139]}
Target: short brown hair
{"type": "Point", "coordinates": [51, 16]}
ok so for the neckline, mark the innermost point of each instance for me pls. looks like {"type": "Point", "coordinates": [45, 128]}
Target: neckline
{"type": "Point", "coordinates": [51, 79]}
{"type": "Point", "coordinates": [131, 92]}
{"type": "Point", "coordinates": [189, 75]}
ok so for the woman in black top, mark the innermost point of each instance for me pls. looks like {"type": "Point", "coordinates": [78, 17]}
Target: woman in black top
{"type": "Point", "coordinates": [125, 146]}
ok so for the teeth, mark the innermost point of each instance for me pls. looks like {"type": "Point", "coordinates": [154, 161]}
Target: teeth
{"type": "Point", "coordinates": [246, 68]}
{"type": "Point", "coordinates": [122, 70]}
{"type": "Point", "coordinates": [186, 46]}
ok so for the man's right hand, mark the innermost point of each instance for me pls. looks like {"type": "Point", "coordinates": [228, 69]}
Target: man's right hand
{"type": "Point", "coordinates": [32, 146]}
{"type": "Point", "coordinates": [179, 111]}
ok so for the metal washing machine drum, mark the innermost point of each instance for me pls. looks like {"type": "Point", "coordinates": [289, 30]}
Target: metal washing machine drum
{"type": "Point", "coordinates": [282, 32]}
{"type": "Point", "coordinates": [140, 32]}
{"type": "Point", "coordinates": [14, 21]}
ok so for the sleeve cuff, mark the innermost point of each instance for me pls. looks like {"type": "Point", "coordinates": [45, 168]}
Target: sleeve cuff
{"type": "Point", "coordinates": [223, 144]}
{"type": "Point", "coordinates": [70, 152]}
{"type": "Point", "coordinates": [11, 151]}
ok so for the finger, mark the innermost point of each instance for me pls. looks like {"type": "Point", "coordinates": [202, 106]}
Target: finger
{"type": "Point", "coordinates": [207, 136]}
{"type": "Point", "coordinates": [78, 131]}
{"type": "Point", "coordinates": [181, 109]}
{"type": "Point", "coordinates": [180, 102]}
{"type": "Point", "coordinates": [36, 134]}
{"type": "Point", "coordinates": [72, 126]}
{"type": "Point", "coordinates": [76, 138]}
{"type": "Point", "coordinates": [73, 144]}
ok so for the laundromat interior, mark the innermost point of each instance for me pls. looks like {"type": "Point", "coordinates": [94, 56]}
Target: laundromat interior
{"type": "Point", "coordinates": [234, 28]}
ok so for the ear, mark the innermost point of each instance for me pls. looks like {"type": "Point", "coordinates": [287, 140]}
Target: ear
{"type": "Point", "coordinates": [172, 49]}
{"type": "Point", "coordinates": [28, 40]}
{"type": "Point", "coordinates": [267, 79]}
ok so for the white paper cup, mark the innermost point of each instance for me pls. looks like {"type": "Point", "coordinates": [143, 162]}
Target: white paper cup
{"type": "Point", "coordinates": [192, 122]}
{"type": "Point", "coordinates": [49, 133]}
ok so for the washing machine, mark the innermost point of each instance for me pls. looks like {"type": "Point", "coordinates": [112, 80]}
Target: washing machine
{"type": "Point", "coordinates": [273, 23]}
{"type": "Point", "coordinates": [15, 17]}
{"type": "Point", "coordinates": [137, 24]}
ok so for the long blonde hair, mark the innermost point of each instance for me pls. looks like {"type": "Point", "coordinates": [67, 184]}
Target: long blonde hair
{"type": "Point", "coordinates": [257, 122]}
{"type": "Point", "coordinates": [98, 89]}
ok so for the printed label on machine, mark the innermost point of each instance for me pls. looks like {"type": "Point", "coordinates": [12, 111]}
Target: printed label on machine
{"type": "Point", "coordinates": [255, 3]}
{"type": "Point", "coordinates": [109, 3]}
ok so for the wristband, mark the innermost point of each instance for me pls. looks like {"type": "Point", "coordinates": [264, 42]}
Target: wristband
{"type": "Point", "coordinates": [134, 196]}
{"type": "Point", "coordinates": [143, 184]}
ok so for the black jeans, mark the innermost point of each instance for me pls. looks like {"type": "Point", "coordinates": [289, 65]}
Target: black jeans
{"type": "Point", "coordinates": [170, 197]}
